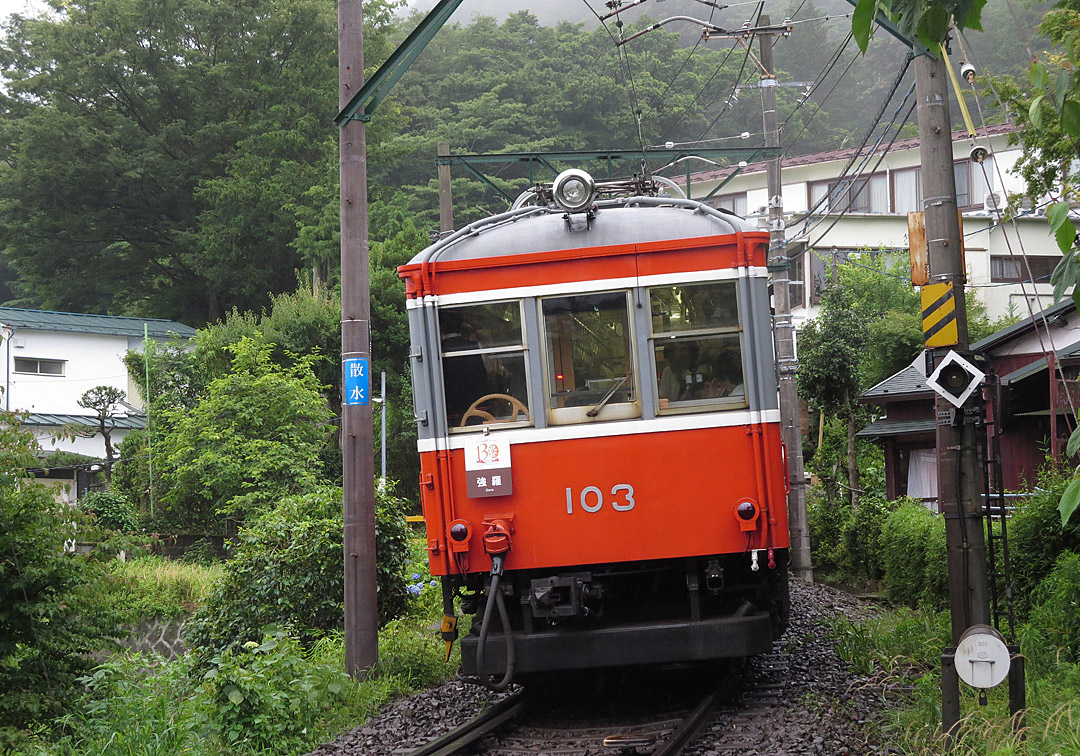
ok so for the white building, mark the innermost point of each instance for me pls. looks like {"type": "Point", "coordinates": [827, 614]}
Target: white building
{"type": "Point", "coordinates": [52, 358]}
{"type": "Point", "coordinates": [826, 217]}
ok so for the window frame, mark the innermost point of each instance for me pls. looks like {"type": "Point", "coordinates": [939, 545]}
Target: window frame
{"type": "Point", "coordinates": [39, 360]}
{"type": "Point", "coordinates": [861, 195]}
{"type": "Point", "coordinates": [1044, 260]}
{"type": "Point", "coordinates": [521, 348]}
{"type": "Point", "coordinates": [734, 199]}
{"type": "Point", "coordinates": [612, 411]}
{"type": "Point", "coordinates": [710, 404]}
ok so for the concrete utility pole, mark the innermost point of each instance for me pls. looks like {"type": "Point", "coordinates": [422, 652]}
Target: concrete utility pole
{"type": "Point", "coordinates": [783, 328]}
{"type": "Point", "coordinates": [959, 475]}
{"type": "Point", "coordinates": [361, 619]}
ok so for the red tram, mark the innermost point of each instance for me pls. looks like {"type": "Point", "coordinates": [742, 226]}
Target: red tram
{"type": "Point", "coordinates": [602, 474]}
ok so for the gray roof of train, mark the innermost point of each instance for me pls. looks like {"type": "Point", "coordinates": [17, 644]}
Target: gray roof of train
{"type": "Point", "coordinates": [533, 229]}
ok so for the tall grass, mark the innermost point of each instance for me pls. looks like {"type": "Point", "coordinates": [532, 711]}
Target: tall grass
{"type": "Point", "coordinates": [152, 587]}
{"type": "Point", "coordinates": [904, 647]}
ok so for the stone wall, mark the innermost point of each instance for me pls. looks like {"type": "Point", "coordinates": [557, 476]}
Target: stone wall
{"type": "Point", "coordinates": [159, 636]}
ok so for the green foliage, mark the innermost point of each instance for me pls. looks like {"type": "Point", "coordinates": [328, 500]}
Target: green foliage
{"type": "Point", "coordinates": [927, 21]}
{"type": "Point", "coordinates": [129, 706]}
{"type": "Point", "coordinates": [151, 587]}
{"type": "Point", "coordinates": [112, 510]}
{"type": "Point", "coordinates": [863, 539]}
{"type": "Point", "coordinates": [903, 638]}
{"type": "Point", "coordinates": [1036, 537]}
{"type": "Point", "coordinates": [915, 557]}
{"type": "Point", "coordinates": [267, 695]}
{"type": "Point", "coordinates": [1056, 611]}
{"type": "Point", "coordinates": [253, 438]}
{"type": "Point", "coordinates": [51, 615]}
{"type": "Point", "coordinates": [287, 570]}
{"type": "Point", "coordinates": [828, 519]}
{"type": "Point", "coordinates": [186, 159]}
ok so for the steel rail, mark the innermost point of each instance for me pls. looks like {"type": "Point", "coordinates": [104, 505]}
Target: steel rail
{"type": "Point", "coordinates": [694, 723]}
{"type": "Point", "coordinates": [475, 728]}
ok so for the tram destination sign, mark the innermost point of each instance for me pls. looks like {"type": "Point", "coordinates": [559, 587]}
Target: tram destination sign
{"type": "Point", "coordinates": [487, 467]}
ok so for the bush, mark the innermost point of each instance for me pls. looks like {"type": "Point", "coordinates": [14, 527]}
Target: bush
{"type": "Point", "coordinates": [827, 519]}
{"type": "Point", "coordinates": [112, 510]}
{"type": "Point", "coordinates": [268, 695]}
{"type": "Point", "coordinates": [51, 616]}
{"type": "Point", "coordinates": [914, 553]}
{"type": "Point", "coordinates": [1056, 610]}
{"type": "Point", "coordinates": [863, 537]}
{"type": "Point", "coordinates": [1036, 537]}
{"type": "Point", "coordinates": [288, 571]}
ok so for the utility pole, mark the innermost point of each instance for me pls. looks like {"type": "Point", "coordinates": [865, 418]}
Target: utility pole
{"type": "Point", "coordinates": [446, 199]}
{"type": "Point", "coordinates": [361, 619]}
{"type": "Point", "coordinates": [959, 478]}
{"type": "Point", "coordinates": [783, 328]}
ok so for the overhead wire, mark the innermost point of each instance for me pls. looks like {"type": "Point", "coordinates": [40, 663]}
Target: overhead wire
{"type": "Point", "coordinates": [859, 152]}
{"type": "Point", "coordinates": [1020, 242]}
{"type": "Point", "coordinates": [624, 60]}
{"type": "Point", "coordinates": [825, 71]}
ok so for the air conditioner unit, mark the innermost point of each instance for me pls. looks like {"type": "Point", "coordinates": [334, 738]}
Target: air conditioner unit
{"type": "Point", "coordinates": [991, 202]}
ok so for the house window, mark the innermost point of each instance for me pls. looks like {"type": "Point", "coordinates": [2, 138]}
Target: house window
{"type": "Point", "coordinates": [973, 182]}
{"type": "Point", "coordinates": [1013, 270]}
{"type": "Point", "coordinates": [697, 347]}
{"type": "Point", "coordinates": [39, 367]}
{"type": "Point", "coordinates": [797, 275]}
{"type": "Point", "coordinates": [821, 262]}
{"type": "Point", "coordinates": [907, 190]}
{"type": "Point", "coordinates": [483, 361]}
{"type": "Point", "coordinates": [736, 203]}
{"type": "Point", "coordinates": [863, 195]}
{"type": "Point", "coordinates": [971, 186]}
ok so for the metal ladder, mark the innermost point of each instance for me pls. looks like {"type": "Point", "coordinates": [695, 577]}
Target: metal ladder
{"type": "Point", "coordinates": [995, 513]}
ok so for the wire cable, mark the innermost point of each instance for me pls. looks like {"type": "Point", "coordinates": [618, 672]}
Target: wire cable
{"type": "Point", "coordinates": [631, 88]}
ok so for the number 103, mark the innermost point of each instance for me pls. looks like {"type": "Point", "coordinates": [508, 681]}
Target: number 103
{"type": "Point", "coordinates": [591, 498]}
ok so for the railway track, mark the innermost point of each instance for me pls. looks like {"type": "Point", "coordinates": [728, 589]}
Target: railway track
{"type": "Point", "coordinates": [654, 717]}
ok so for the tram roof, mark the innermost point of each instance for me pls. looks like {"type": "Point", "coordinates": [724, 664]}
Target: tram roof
{"type": "Point", "coordinates": [531, 230]}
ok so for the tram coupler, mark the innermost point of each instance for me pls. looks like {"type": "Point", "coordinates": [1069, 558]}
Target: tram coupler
{"type": "Point", "coordinates": [772, 558]}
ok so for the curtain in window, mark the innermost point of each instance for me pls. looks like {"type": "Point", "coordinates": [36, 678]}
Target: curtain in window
{"type": "Point", "coordinates": [922, 480]}
{"type": "Point", "coordinates": [906, 187]}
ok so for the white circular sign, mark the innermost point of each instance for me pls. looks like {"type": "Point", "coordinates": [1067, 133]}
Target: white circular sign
{"type": "Point", "coordinates": [982, 659]}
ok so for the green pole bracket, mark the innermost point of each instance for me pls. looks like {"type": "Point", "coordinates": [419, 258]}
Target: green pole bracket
{"type": "Point", "coordinates": [382, 81]}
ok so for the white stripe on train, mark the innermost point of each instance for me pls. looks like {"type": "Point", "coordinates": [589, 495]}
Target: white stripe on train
{"type": "Point", "coordinates": [664, 424]}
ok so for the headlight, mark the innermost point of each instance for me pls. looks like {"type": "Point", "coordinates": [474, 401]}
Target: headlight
{"type": "Point", "coordinates": [573, 189]}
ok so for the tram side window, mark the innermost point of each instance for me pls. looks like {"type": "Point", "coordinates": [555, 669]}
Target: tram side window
{"type": "Point", "coordinates": [483, 359]}
{"type": "Point", "coordinates": [590, 365]}
{"type": "Point", "coordinates": [697, 346]}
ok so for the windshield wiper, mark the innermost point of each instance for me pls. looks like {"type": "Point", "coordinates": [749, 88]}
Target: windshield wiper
{"type": "Point", "coordinates": [607, 398]}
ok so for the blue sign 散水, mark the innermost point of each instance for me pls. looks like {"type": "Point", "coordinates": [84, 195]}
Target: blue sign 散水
{"type": "Point", "coordinates": [357, 381]}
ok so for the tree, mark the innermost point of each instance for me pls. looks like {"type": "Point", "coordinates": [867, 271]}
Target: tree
{"type": "Point", "coordinates": [192, 131]}
{"type": "Point", "coordinates": [831, 349]}
{"type": "Point", "coordinates": [50, 618]}
{"type": "Point", "coordinates": [102, 400]}
{"type": "Point", "coordinates": [251, 439]}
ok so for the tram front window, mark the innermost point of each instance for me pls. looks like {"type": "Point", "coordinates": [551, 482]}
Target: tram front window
{"type": "Point", "coordinates": [483, 359]}
{"type": "Point", "coordinates": [590, 364]}
{"type": "Point", "coordinates": [697, 347]}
